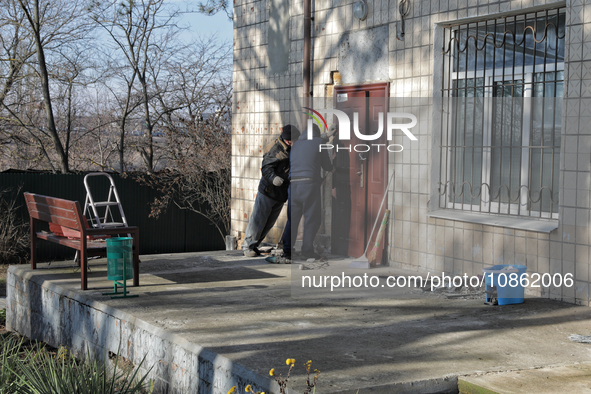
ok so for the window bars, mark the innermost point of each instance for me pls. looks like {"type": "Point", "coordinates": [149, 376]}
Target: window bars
{"type": "Point", "coordinates": [503, 81]}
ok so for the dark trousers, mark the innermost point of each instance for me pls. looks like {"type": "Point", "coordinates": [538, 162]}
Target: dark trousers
{"type": "Point", "coordinates": [263, 217]}
{"type": "Point", "coordinates": [303, 200]}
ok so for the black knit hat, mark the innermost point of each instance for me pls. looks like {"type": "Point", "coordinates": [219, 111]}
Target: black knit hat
{"type": "Point", "coordinates": [290, 133]}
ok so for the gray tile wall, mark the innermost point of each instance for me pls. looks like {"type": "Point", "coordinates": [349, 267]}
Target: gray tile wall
{"type": "Point", "coordinates": [262, 104]}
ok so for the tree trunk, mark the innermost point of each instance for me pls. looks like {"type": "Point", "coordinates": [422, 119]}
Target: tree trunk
{"type": "Point", "coordinates": [122, 124]}
{"type": "Point", "coordinates": [148, 151]}
{"type": "Point", "coordinates": [52, 130]}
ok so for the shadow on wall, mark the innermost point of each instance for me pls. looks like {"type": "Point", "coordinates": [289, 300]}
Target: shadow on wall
{"type": "Point", "coordinates": [363, 55]}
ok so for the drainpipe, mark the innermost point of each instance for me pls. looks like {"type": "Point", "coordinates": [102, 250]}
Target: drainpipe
{"type": "Point", "coordinates": [307, 51]}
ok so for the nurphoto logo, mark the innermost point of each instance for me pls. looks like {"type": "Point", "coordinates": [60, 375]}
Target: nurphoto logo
{"type": "Point", "coordinates": [344, 126]}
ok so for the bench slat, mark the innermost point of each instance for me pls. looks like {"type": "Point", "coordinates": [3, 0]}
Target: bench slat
{"type": "Point", "coordinates": [112, 231]}
{"type": "Point", "coordinates": [68, 213]}
{"type": "Point", "coordinates": [46, 217]}
{"type": "Point", "coordinates": [72, 243]}
{"type": "Point", "coordinates": [53, 201]}
{"type": "Point", "coordinates": [63, 212]}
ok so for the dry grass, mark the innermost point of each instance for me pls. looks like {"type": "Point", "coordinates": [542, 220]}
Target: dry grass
{"type": "Point", "coordinates": [14, 232]}
{"type": "Point", "coordinates": [3, 269]}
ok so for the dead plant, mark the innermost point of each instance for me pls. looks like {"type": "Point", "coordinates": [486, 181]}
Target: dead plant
{"type": "Point", "coordinates": [14, 232]}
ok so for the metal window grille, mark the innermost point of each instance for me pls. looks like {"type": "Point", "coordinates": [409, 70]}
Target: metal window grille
{"type": "Point", "coordinates": [501, 126]}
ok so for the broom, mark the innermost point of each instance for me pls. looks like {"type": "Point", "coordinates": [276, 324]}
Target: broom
{"type": "Point", "coordinates": [372, 256]}
{"type": "Point", "coordinates": [362, 261]}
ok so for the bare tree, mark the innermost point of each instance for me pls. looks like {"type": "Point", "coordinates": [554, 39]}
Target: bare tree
{"type": "Point", "coordinates": [192, 90]}
{"type": "Point", "coordinates": [53, 24]}
{"type": "Point", "coordinates": [211, 7]}
{"type": "Point", "coordinates": [102, 146]}
{"type": "Point", "coordinates": [117, 87]}
{"type": "Point", "coordinates": [194, 104]}
{"type": "Point", "coordinates": [140, 31]}
{"type": "Point", "coordinates": [143, 76]}
{"type": "Point", "coordinates": [72, 75]}
{"type": "Point", "coordinates": [189, 83]}
{"type": "Point", "coordinates": [14, 236]}
{"type": "Point", "coordinates": [28, 145]}
{"type": "Point", "coordinates": [16, 48]}
{"type": "Point", "coordinates": [199, 175]}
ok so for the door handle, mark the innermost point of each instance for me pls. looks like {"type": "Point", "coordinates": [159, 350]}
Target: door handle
{"type": "Point", "coordinates": [361, 173]}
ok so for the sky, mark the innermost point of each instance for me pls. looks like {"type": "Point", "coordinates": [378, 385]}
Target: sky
{"type": "Point", "coordinates": [199, 24]}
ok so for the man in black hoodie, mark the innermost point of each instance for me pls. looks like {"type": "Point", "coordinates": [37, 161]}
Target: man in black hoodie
{"type": "Point", "coordinates": [272, 190]}
{"type": "Point", "coordinates": [304, 192]}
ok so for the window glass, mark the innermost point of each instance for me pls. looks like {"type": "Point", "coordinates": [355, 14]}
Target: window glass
{"type": "Point", "coordinates": [503, 83]}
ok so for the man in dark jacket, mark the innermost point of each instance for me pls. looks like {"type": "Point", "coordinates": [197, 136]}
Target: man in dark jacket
{"type": "Point", "coordinates": [304, 192]}
{"type": "Point", "coordinates": [272, 190]}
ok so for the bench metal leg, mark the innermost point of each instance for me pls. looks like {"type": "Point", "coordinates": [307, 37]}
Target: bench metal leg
{"type": "Point", "coordinates": [33, 223]}
{"type": "Point", "coordinates": [83, 263]}
{"type": "Point", "coordinates": [136, 257]}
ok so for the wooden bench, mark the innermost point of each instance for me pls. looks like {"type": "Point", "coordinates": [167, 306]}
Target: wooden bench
{"type": "Point", "coordinates": [68, 214]}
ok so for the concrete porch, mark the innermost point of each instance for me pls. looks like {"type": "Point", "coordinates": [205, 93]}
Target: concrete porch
{"type": "Point", "coordinates": [209, 321]}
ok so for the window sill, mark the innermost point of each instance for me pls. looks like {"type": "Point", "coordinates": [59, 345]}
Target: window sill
{"type": "Point", "coordinates": [489, 219]}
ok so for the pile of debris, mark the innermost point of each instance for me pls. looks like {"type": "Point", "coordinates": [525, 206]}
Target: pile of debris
{"type": "Point", "coordinates": [463, 292]}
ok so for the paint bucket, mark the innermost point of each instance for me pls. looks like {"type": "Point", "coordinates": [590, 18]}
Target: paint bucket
{"type": "Point", "coordinates": [506, 279]}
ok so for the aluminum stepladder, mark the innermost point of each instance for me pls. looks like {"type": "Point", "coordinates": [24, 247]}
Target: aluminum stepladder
{"type": "Point", "coordinates": [91, 206]}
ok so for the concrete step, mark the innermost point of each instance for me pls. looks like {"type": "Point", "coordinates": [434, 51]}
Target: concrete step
{"type": "Point", "coordinates": [574, 378]}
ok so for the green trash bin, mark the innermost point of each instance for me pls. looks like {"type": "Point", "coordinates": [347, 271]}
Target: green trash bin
{"type": "Point", "coordinates": [119, 252]}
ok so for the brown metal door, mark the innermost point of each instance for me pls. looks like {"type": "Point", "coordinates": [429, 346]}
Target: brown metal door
{"type": "Point", "coordinates": [367, 170]}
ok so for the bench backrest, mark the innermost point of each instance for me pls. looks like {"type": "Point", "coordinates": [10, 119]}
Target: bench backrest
{"type": "Point", "coordinates": [62, 212]}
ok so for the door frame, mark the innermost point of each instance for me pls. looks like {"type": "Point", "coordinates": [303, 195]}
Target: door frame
{"type": "Point", "coordinates": [369, 87]}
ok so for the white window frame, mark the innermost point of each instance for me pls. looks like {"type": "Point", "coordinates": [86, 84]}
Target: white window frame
{"type": "Point", "coordinates": [490, 76]}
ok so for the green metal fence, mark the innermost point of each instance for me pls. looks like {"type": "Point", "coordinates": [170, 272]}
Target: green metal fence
{"type": "Point", "coordinates": [175, 231]}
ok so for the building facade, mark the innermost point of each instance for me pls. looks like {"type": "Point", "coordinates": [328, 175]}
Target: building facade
{"type": "Point", "coordinates": [500, 170]}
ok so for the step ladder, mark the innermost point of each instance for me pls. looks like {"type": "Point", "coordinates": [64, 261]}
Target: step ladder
{"type": "Point", "coordinates": [92, 207]}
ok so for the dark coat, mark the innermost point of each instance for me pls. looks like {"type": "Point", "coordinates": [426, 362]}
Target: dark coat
{"type": "Point", "coordinates": [307, 158]}
{"type": "Point", "coordinates": [275, 163]}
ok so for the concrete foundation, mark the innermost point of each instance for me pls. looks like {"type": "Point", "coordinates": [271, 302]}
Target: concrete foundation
{"type": "Point", "coordinates": [46, 312]}
{"type": "Point", "coordinates": [207, 322]}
